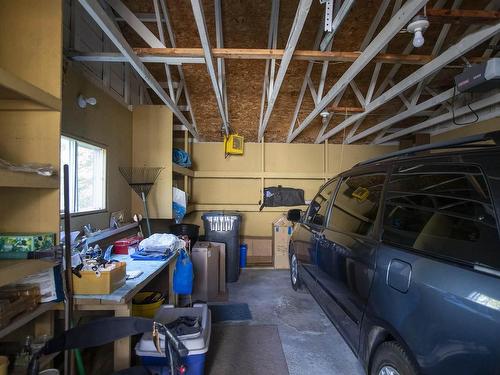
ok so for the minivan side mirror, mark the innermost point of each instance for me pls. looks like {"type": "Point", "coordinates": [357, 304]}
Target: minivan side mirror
{"type": "Point", "coordinates": [294, 215]}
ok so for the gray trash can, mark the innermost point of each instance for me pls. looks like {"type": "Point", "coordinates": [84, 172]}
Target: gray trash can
{"type": "Point", "coordinates": [225, 227]}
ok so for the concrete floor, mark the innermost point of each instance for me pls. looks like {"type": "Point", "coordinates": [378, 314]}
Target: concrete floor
{"type": "Point", "coordinates": [312, 345]}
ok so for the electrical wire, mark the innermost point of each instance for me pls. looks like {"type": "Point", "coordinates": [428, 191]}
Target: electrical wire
{"type": "Point", "coordinates": [453, 110]}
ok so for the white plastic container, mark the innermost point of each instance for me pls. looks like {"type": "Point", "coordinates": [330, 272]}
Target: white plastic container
{"type": "Point", "coordinates": [197, 343]}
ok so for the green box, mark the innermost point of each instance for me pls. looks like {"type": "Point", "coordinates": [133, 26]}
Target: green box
{"type": "Point", "coordinates": [25, 242]}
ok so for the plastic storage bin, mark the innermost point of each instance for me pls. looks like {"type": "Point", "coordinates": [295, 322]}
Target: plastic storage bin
{"type": "Point", "coordinates": [225, 227]}
{"type": "Point", "coordinates": [146, 304]}
{"type": "Point", "coordinates": [197, 343]}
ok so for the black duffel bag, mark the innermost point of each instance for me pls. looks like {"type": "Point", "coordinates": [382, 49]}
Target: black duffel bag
{"type": "Point", "coordinates": [278, 196]}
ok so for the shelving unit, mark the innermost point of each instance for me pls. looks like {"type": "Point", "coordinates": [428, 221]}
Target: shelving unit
{"type": "Point", "coordinates": [18, 94]}
{"type": "Point", "coordinates": [152, 137]}
{"type": "Point", "coordinates": [182, 170]}
{"type": "Point", "coordinates": [27, 180]}
{"type": "Point", "coordinates": [14, 270]}
{"type": "Point", "coordinates": [23, 319]}
{"type": "Point", "coordinates": [30, 130]}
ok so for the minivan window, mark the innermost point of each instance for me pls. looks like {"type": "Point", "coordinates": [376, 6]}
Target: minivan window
{"type": "Point", "coordinates": [319, 205]}
{"type": "Point", "coordinates": [443, 210]}
{"type": "Point", "coordinates": [356, 205]}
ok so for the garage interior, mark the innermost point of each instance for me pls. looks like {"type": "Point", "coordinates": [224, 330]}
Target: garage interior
{"type": "Point", "coordinates": [123, 121]}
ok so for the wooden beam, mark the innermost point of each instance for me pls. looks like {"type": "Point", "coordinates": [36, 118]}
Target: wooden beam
{"type": "Point", "coordinates": [264, 53]}
{"type": "Point", "coordinates": [341, 110]}
{"type": "Point", "coordinates": [462, 16]}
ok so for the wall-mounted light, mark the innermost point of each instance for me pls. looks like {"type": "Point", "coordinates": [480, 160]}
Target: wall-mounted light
{"type": "Point", "coordinates": [83, 101]}
{"type": "Point", "coordinates": [417, 26]}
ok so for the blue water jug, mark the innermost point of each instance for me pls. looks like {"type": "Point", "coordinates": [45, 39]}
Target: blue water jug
{"type": "Point", "coordinates": [183, 274]}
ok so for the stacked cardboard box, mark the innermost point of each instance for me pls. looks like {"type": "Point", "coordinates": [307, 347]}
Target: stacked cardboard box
{"type": "Point", "coordinates": [282, 231]}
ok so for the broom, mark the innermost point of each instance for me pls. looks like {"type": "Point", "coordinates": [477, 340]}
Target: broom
{"type": "Point", "coordinates": [141, 180]}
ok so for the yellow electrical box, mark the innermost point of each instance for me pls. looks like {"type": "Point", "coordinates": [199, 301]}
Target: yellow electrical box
{"type": "Point", "coordinates": [233, 144]}
{"type": "Point", "coordinates": [361, 194]}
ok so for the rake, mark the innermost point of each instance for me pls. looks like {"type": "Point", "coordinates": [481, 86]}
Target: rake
{"type": "Point", "coordinates": [141, 180]}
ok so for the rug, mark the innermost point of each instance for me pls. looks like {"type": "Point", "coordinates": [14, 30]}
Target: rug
{"type": "Point", "coordinates": [230, 311]}
{"type": "Point", "coordinates": [245, 349]}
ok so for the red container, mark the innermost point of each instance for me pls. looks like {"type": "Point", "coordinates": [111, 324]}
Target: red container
{"type": "Point", "coordinates": [121, 246]}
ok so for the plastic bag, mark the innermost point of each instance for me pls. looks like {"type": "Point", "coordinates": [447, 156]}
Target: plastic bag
{"type": "Point", "coordinates": [183, 274]}
{"type": "Point", "coordinates": [41, 169]}
{"type": "Point", "coordinates": [179, 204]}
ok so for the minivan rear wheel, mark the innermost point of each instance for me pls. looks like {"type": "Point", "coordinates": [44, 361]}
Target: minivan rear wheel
{"type": "Point", "coordinates": [391, 359]}
{"type": "Point", "coordinates": [294, 272]}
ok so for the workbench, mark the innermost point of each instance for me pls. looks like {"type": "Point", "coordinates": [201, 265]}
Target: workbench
{"type": "Point", "coordinates": [120, 301]}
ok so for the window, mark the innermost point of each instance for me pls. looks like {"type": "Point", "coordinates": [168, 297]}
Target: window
{"type": "Point", "coordinates": [357, 203]}
{"type": "Point", "coordinates": [319, 206]}
{"type": "Point", "coordinates": [443, 210]}
{"type": "Point", "coordinates": [87, 175]}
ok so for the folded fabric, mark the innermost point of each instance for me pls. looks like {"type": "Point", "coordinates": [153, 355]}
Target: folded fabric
{"type": "Point", "coordinates": [138, 255]}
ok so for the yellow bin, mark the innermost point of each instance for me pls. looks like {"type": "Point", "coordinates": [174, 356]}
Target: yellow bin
{"type": "Point", "coordinates": [145, 309]}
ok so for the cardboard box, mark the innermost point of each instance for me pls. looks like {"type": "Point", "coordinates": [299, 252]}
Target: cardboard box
{"type": "Point", "coordinates": [222, 266]}
{"type": "Point", "coordinates": [106, 282]}
{"type": "Point", "coordinates": [282, 231]}
{"type": "Point", "coordinates": [209, 267]}
{"type": "Point", "coordinates": [258, 246]}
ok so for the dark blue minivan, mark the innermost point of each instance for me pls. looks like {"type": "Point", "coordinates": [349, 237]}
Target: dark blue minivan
{"type": "Point", "coordinates": [403, 255]}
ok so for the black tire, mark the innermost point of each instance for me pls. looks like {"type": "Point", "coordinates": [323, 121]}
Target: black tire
{"type": "Point", "coordinates": [294, 279]}
{"type": "Point", "coordinates": [391, 355]}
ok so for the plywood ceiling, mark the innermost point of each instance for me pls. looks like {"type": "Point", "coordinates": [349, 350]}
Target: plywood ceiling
{"type": "Point", "coordinates": [245, 25]}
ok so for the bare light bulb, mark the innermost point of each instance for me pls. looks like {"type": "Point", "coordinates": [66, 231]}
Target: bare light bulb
{"type": "Point", "coordinates": [418, 39]}
{"type": "Point", "coordinates": [417, 26]}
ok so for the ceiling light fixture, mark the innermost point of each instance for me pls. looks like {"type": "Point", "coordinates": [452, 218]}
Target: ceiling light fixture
{"type": "Point", "coordinates": [83, 101]}
{"type": "Point", "coordinates": [417, 26]}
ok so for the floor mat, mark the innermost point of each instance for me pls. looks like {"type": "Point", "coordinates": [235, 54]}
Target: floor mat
{"type": "Point", "coordinates": [246, 349]}
{"type": "Point", "coordinates": [230, 311]}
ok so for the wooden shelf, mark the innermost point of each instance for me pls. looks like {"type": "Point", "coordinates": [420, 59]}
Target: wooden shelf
{"type": "Point", "coordinates": [23, 319]}
{"type": "Point", "coordinates": [176, 168]}
{"type": "Point", "coordinates": [258, 175]}
{"type": "Point", "coordinates": [14, 270]}
{"type": "Point", "coordinates": [27, 180]}
{"type": "Point", "coordinates": [190, 208]}
{"type": "Point", "coordinates": [237, 207]}
{"type": "Point", "coordinates": [18, 94]}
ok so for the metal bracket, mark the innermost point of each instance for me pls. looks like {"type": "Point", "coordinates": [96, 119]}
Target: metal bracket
{"type": "Point", "coordinates": [328, 14]}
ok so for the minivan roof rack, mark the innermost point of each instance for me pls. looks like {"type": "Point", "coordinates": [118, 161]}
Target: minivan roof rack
{"type": "Point", "coordinates": [491, 136]}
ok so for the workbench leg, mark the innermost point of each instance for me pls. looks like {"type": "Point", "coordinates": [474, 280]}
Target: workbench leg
{"type": "Point", "coordinates": [172, 296]}
{"type": "Point", "coordinates": [122, 346]}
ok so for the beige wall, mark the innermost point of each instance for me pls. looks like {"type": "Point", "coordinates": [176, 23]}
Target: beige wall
{"type": "Point", "coordinates": [108, 124]}
{"type": "Point", "coordinates": [481, 127]}
{"type": "Point", "coordinates": [308, 164]}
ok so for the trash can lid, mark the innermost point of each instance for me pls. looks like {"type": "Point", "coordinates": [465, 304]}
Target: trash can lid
{"type": "Point", "coordinates": [220, 213]}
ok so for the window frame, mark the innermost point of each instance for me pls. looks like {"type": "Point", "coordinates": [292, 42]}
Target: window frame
{"type": "Point", "coordinates": [424, 253]}
{"type": "Point", "coordinates": [75, 182]}
{"type": "Point", "coordinates": [376, 234]}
